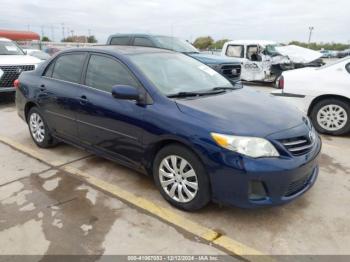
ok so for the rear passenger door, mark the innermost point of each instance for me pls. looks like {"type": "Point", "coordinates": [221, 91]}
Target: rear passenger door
{"type": "Point", "coordinates": [58, 96]}
{"type": "Point", "coordinates": [110, 125]}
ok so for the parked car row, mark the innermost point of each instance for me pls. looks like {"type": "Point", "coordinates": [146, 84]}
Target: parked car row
{"type": "Point", "coordinates": [344, 53]}
{"type": "Point", "coordinates": [335, 54]}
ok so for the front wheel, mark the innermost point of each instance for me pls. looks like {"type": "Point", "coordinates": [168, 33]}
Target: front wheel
{"type": "Point", "coordinates": [331, 116]}
{"type": "Point", "coordinates": [181, 178]}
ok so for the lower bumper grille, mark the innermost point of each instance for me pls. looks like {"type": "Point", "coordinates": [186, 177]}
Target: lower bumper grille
{"type": "Point", "coordinates": [298, 185]}
{"type": "Point", "coordinates": [11, 73]}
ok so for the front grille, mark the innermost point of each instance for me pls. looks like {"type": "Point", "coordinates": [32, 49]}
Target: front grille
{"type": "Point", "coordinates": [297, 146]}
{"type": "Point", "coordinates": [298, 185]}
{"type": "Point", "coordinates": [231, 71]}
{"type": "Point", "coordinates": [11, 73]}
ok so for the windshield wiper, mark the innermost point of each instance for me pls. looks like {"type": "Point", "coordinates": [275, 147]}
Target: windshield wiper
{"type": "Point", "coordinates": [189, 94]}
{"type": "Point", "coordinates": [190, 52]}
{"type": "Point", "coordinates": [184, 94]}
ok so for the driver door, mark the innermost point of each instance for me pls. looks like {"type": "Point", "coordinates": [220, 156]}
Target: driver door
{"type": "Point", "coordinates": [110, 125]}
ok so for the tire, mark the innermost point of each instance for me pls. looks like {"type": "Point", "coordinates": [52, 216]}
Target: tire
{"type": "Point", "coordinates": [336, 121]}
{"type": "Point", "coordinates": [192, 199]}
{"type": "Point", "coordinates": [39, 130]}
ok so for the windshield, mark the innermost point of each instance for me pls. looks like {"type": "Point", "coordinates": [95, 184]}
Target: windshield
{"type": "Point", "coordinates": [175, 44]}
{"type": "Point", "coordinates": [271, 50]}
{"type": "Point", "coordinates": [173, 73]}
{"type": "Point", "coordinates": [10, 48]}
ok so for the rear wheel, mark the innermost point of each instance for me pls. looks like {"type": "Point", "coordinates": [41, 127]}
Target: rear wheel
{"type": "Point", "coordinates": [181, 178]}
{"type": "Point", "coordinates": [39, 130]}
{"type": "Point", "coordinates": [331, 116]}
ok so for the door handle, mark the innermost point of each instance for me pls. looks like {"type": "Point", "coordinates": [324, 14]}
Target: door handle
{"type": "Point", "coordinates": [42, 87]}
{"type": "Point", "coordinates": [83, 100]}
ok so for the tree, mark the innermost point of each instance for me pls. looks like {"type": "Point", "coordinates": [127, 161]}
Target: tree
{"type": "Point", "coordinates": [80, 39]}
{"type": "Point", "coordinates": [203, 42]}
{"type": "Point", "coordinates": [320, 46]}
{"type": "Point", "coordinates": [45, 39]}
{"type": "Point", "coordinates": [219, 44]}
{"type": "Point", "coordinates": [92, 39]}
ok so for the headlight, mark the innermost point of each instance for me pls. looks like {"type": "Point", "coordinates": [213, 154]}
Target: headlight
{"type": "Point", "coordinates": [249, 146]}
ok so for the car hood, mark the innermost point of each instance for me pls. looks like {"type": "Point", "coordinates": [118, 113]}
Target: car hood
{"type": "Point", "coordinates": [299, 54]}
{"type": "Point", "coordinates": [242, 112]}
{"type": "Point", "coordinates": [18, 60]}
{"type": "Point", "coordinates": [213, 59]}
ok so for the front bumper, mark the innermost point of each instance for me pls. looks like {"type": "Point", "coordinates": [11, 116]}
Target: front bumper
{"type": "Point", "coordinates": [283, 179]}
{"type": "Point", "coordinates": [7, 89]}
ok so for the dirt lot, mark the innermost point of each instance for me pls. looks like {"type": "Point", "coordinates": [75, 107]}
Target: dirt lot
{"type": "Point", "coordinates": [65, 215]}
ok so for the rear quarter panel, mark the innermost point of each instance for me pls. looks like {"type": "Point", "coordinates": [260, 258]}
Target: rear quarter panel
{"type": "Point", "coordinates": [26, 92]}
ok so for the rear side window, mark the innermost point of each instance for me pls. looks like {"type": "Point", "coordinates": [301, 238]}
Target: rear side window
{"type": "Point", "coordinates": [69, 67]}
{"type": "Point", "coordinates": [235, 51]}
{"type": "Point", "coordinates": [123, 40]}
{"type": "Point", "coordinates": [348, 67]}
{"type": "Point", "coordinates": [142, 41]}
{"type": "Point", "coordinates": [105, 72]}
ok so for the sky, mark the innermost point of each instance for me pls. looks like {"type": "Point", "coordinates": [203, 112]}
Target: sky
{"type": "Point", "coordinates": [278, 20]}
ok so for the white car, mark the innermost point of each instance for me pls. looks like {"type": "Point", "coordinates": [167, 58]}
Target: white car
{"type": "Point", "coordinates": [13, 61]}
{"type": "Point", "coordinates": [322, 93]}
{"type": "Point", "coordinates": [37, 53]}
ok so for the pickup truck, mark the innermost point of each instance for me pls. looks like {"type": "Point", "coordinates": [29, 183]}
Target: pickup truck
{"type": "Point", "coordinates": [13, 61]}
{"type": "Point", "coordinates": [266, 60]}
{"type": "Point", "coordinates": [228, 67]}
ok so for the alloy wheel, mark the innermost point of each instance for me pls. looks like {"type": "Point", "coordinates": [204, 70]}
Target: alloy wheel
{"type": "Point", "coordinates": [37, 127]}
{"type": "Point", "coordinates": [178, 179]}
{"type": "Point", "coordinates": [332, 117]}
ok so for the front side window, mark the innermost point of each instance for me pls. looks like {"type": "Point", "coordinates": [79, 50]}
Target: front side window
{"type": "Point", "coordinates": [172, 73]}
{"type": "Point", "coordinates": [235, 51]}
{"type": "Point", "coordinates": [68, 67]}
{"type": "Point", "coordinates": [105, 72]}
{"type": "Point", "coordinates": [10, 48]}
{"type": "Point", "coordinates": [142, 41]}
{"type": "Point", "coordinates": [122, 40]}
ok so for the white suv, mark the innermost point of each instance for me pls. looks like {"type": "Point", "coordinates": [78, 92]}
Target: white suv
{"type": "Point", "coordinates": [13, 61]}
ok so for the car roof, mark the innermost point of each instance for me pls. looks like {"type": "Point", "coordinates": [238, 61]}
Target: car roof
{"type": "Point", "coordinates": [5, 39]}
{"type": "Point", "coordinates": [250, 42]}
{"type": "Point", "coordinates": [119, 49]}
{"type": "Point", "coordinates": [136, 35]}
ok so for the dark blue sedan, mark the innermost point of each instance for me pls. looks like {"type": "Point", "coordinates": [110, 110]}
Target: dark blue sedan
{"type": "Point", "coordinates": [168, 115]}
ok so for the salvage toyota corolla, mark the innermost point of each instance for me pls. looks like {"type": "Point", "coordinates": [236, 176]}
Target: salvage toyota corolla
{"type": "Point", "coordinates": [166, 114]}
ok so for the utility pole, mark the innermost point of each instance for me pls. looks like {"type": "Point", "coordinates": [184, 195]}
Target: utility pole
{"type": "Point", "coordinates": [311, 28]}
{"type": "Point", "coordinates": [52, 34]}
{"type": "Point", "coordinates": [63, 37]}
{"type": "Point", "coordinates": [42, 32]}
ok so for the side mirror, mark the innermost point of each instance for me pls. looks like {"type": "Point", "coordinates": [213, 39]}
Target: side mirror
{"type": "Point", "coordinates": [126, 92]}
